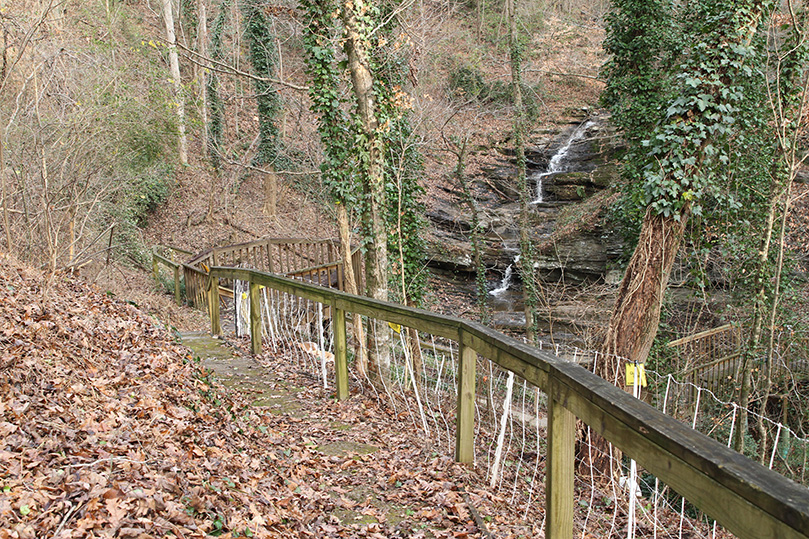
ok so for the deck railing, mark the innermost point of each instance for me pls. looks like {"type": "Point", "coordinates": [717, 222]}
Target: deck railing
{"type": "Point", "coordinates": [313, 261]}
{"type": "Point", "coordinates": [746, 498]}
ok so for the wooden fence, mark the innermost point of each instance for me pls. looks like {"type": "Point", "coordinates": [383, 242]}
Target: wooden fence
{"type": "Point", "coordinates": [744, 497]}
{"type": "Point", "coordinates": [710, 358]}
{"type": "Point", "coordinates": [296, 258]}
{"type": "Point", "coordinates": [313, 261]}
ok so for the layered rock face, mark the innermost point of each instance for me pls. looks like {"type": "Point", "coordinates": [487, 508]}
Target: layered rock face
{"type": "Point", "coordinates": [586, 167]}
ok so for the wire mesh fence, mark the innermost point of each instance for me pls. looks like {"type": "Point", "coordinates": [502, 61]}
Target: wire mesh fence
{"type": "Point", "coordinates": [417, 377]}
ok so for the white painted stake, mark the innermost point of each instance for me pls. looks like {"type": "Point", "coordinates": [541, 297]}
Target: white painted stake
{"type": "Point", "coordinates": [498, 454]}
{"type": "Point", "coordinates": [322, 345]}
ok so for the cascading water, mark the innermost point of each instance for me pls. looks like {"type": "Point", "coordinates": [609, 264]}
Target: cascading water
{"type": "Point", "coordinates": [505, 283]}
{"type": "Point", "coordinates": [557, 162]}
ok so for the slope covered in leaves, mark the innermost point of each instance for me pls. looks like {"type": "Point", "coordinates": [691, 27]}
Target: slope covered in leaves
{"type": "Point", "coordinates": [108, 429]}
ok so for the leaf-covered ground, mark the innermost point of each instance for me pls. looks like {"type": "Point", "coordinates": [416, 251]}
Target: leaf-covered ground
{"type": "Point", "coordinates": [109, 428]}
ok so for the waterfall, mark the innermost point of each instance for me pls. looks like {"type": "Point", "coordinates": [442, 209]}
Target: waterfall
{"type": "Point", "coordinates": [557, 162]}
{"type": "Point", "coordinates": [505, 283]}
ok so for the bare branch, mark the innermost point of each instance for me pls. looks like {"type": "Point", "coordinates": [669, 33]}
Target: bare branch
{"type": "Point", "coordinates": [209, 63]}
{"type": "Point", "coordinates": [560, 74]}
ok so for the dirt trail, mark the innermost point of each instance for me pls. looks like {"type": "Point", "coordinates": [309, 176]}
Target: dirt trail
{"type": "Point", "coordinates": [379, 478]}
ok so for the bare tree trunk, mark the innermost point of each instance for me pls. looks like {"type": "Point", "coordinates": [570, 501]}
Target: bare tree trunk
{"type": "Point", "coordinates": [47, 222]}
{"type": "Point", "coordinates": [174, 64]}
{"type": "Point", "coordinates": [4, 194]}
{"type": "Point", "coordinates": [270, 194]}
{"type": "Point", "coordinates": [344, 227]}
{"type": "Point", "coordinates": [475, 235]}
{"type": "Point", "coordinates": [376, 261]}
{"type": "Point", "coordinates": [770, 354]}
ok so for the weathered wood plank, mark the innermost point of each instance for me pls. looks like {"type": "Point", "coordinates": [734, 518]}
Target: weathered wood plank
{"type": "Point", "coordinates": [559, 499]}
{"type": "Point", "coordinates": [213, 305]}
{"type": "Point", "coordinates": [165, 261]}
{"type": "Point", "coordinates": [255, 318]}
{"type": "Point", "coordinates": [700, 335]}
{"type": "Point", "coordinates": [340, 353]}
{"type": "Point", "coordinates": [465, 412]}
{"type": "Point", "coordinates": [508, 353]}
{"type": "Point", "coordinates": [742, 495]}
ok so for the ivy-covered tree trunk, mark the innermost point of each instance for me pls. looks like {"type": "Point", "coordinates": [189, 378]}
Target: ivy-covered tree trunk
{"type": "Point", "coordinates": [263, 58]}
{"type": "Point", "coordinates": [202, 73]}
{"type": "Point", "coordinates": [687, 151]}
{"type": "Point", "coordinates": [684, 150]}
{"type": "Point", "coordinates": [634, 321]}
{"type": "Point", "coordinates": [526, 264]}
{"type": "Point", "coordinates": [335, 134]}
{"type": "Point", "coordinates": [372, 171]}
{"type": "Point", "coordinates": [216, 109]}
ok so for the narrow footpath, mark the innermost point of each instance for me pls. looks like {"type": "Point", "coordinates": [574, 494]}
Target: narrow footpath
{"type": "Point", "coordinates": [384, 480]}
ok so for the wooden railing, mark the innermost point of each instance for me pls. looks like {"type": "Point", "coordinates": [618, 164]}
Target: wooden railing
{"type": "Point", "coordinates": [282, 256]}
{"type": "Point", "coordinates": [312, 261]}
{"type": "Point", "coordinates": [710, 356]}
{"type": "Point", "coordinates": [746, 498]}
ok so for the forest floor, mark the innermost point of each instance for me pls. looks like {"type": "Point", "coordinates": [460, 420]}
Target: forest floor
{"type": "Point", "coordinates": [111, 428]}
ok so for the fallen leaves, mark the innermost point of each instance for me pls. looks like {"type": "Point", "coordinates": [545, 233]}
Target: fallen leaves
{"type": "Point", "coordinates": [108, 429]}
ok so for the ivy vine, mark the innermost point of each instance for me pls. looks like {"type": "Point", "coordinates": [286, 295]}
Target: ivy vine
{"type": "Point", "coordinates": [263, 58]}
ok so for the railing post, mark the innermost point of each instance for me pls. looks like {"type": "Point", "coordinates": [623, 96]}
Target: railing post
{"type": "Point", "coordinates": [213, 305]}
{"type": "Point", "coordinates": [465, 413]}
{"type": "Point", "coordinates": [561, 462]}
{"type": "Point", "coordinates": [340, 352]}
{"type": "Point", "coordinates": [155, 270]}
{"type": "Point", "coordinates": [255, 318]}
{"type": "Point", "coordinates": [177, 285]}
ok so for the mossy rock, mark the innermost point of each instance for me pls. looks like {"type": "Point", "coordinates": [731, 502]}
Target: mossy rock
{"type": "Point", "coordinates": [605, 175]}
{"type": "Point", "coordinates": [572, 178]}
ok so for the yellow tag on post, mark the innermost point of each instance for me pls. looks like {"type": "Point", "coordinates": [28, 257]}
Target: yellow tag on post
{"type": "Point", "coordinates": [631, 378]}
{"type": "Point", "coordinates": [395, 327]}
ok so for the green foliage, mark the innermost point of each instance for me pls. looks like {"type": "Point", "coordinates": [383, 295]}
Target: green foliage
{"type": "Point", "coordinates": [334, 127]}
{"type": "Point", "coordinates": [345, 144]}
{"type": "Point", "coordinates": [642, 41]}
{"type": "Point", "coordinates": [147, 192]}
{"type": "Point", "coordinates": [404, 167]}
{"type": "Point", "coordinates": [467, 82]}
{"type": "Point", "coordinates": [263, 59]}
{"type": "Point", "coordinates": [189, 17]}
{"type": "Point", "coordinates": [405, 212]}
{"type": "Point", "coordinates": [642, 38]}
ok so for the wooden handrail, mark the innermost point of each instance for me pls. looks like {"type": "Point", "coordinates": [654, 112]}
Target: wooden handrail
{"type": "Point", "coordinates": [743, 496]}
{"type": "Point", "coordinates": [176, 249]}
{"type": "Point", "coordinates": [700, 335]}
{"type": "Point", "coordinates": [714, 363]}
{"type": "Point", "coordinates": [174, 266]}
